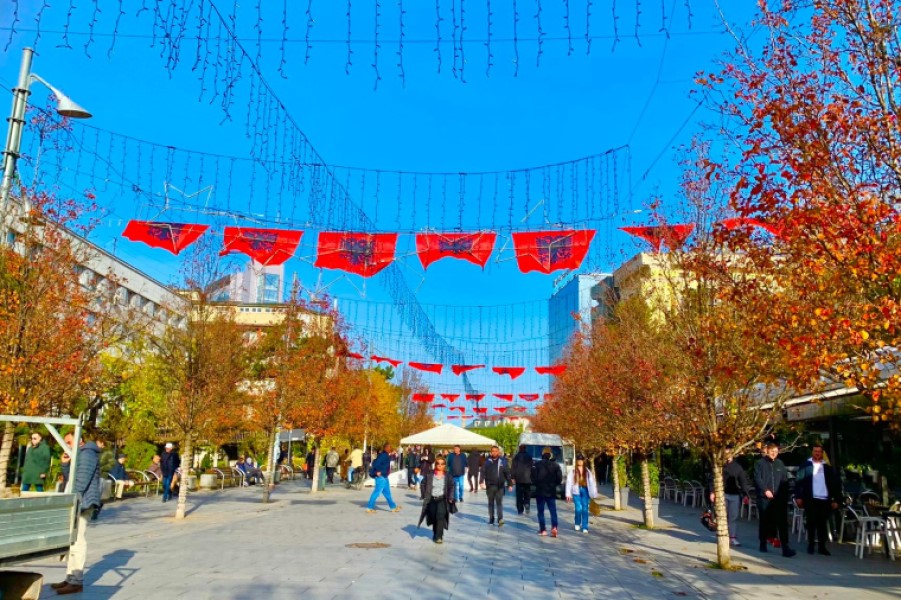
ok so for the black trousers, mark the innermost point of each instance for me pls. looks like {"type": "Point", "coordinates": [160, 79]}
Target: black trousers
{"type": "Point", "coordinates": [330, 474]}
{"type": "Point", "coordinates": [495, 501]}
{"type": "Point", "coordinates": [817, 513]}
{"type": "Point", "coordinates": [472, 477]}
{"type": "Point", "coordinates": [438, 512]}
{"type": "Point", "coordinates": [774, 517]}
{"type": "Point", "coordinates": [523, 496]}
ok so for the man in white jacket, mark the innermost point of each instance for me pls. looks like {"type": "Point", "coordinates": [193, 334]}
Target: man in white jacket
{"type": "Point", "coordinates": [580, 489]}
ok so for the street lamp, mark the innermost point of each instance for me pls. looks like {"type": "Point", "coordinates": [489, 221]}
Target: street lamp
{"type": "Point", "coordinates": [65, 107]}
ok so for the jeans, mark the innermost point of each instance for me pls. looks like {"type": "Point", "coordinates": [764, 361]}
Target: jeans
{"type": "Point", "coordinates": [551, 503]}
{"type": "Point", "coordinates": [458, 487]}
{"type": "Point", "coordinates": [495, 501]}
{"type": "Point", "coordinates": [330, 474]}
{"type": "Point", "coordinates": [523, 497]}
{"type": "Point", "coordinates": [383, 487]}
{"type": "Point", "coordinates": [581, 502]}
{"type": "Point", "coordinates": [733, 503]}
{"type": "Point", "coordinates": [37, 487]}
{"type": "Point", "coordinates": [167, 485]}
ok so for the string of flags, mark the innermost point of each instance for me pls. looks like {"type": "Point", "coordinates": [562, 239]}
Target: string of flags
{"type": "Point", "coordinates": [366, 254]}
{"type": "Point", "coordinates": [425, 397]}
{"type": "Point", "coordinates": [438, 368]}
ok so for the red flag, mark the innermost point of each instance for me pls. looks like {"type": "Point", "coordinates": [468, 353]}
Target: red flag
{"type": "Point", "coordinates": [506, 397]}
{"type": "Point", "coordinates": [428, 367]}
{"type": "Point", "coordinates": [501, 409]}
{"type": "Point", "coordinates": [474, 247]}
{"type": "Point", "coordinates": [547, 251]}
{"type": "Point", "coordinates": [519, 408]}
{"type": "Point", "coordinates": [266, 246]}
{"type": "Point", "coordinates": [481, 411]}
{"type": "Point", "coordinates": [737, 222]}
{"type": "Point", "coordinates": [173, 237]}
{"type": "Point", "coordinates": [362, 253]}
{"type": "Point", "coordinates": [390, 361]}
{"type": "Point", "coordinates": [423, 397]}
{"type": "Point", "coordinates": [453, 416]}
{"type": "Point", "coordinates": [554, 370]}
{"type": "Point", "coordinates": [460, 369]}
{"type": "Point", "coordinates": [462, 409]}
{"type": "Point", "coordinates": [356, 355]}
{"type": "Point", "coordinates": [439, 405]}
{"type": "Point", "coordinates": [528, 397]}
{"type": "Point", "coordinates": [475, 397]}
{"type": "Point", "coordinates": [671, 235]}
{"type": "Point", "coordinates": [513, 372]}
{"type": "Point", "coordinates": [450, 397]}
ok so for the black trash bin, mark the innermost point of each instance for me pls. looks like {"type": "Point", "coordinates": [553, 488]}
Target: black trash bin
{"type": "Point", "coordinates": [20, 585]}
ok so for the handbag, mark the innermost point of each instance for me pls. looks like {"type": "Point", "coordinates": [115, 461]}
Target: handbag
{"type": "Point", "coordinates": [452, 508]}
{"type": "Point", "coordinates": [594, 507]}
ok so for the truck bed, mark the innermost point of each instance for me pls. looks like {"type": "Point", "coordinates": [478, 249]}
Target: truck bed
{"type": "Point", "coordinates": [36, 525]}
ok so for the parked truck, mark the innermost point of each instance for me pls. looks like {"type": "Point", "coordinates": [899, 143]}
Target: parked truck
{"type": "Point", "coordinates": [564, 452]}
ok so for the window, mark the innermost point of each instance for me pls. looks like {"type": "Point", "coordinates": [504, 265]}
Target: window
{"type": "Point", "coordinates": [268, 288]}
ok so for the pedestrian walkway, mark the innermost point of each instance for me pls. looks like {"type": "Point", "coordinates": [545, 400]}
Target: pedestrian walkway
{"type": "Point", "coordinates": [232, 546]}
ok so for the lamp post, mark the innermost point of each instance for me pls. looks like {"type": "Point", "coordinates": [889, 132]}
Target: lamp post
{"type": "Point", "coordinates": [65, 107]}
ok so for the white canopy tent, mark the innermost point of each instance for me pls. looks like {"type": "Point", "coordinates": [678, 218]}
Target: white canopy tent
{"type": "Point", "coordinates": [447, 436]}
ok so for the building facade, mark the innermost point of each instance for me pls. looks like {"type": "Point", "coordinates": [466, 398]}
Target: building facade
{"type": "Point", "coordinates": [573, 307]}
{"type": "Point", "coordinates": [256, 284]}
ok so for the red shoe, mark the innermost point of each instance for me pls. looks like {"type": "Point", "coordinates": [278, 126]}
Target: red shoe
{"type": "Point", "coordinates": [553, 532]}
{"type": "Point", "coordinates": [777, 543]}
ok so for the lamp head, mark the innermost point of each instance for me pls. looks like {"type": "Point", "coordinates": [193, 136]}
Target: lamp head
{"type": "Point", "coordinates": [64, 105]}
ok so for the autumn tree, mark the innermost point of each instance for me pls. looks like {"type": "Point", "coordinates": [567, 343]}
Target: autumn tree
{"type": "Point", "coordinates": [815, 114]}
{"type": "Point", "coordinates": [56, 318]}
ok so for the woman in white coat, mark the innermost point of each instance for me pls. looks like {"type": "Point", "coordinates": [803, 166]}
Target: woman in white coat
{"type": "Point", "coordinates": [580, 489]}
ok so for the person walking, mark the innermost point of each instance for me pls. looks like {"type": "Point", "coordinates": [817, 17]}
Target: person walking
{"type": "Point", "coordinates": [771, 479]}
{"type": "Point", "coordinates": [818, 490]}
{"type": "Point", "coordinates": [522, 477]}
{"type": "Point", "coordinates": [37, 464]}
{"type": "Point", "coordinates": [474, 471]}
{"type": "Point", "coordinates": [438, 490]}
{"type": "Point", "coordinates": [169, 464]}
{"type": "Point", "coordinates": [411, 463]}
{"type": "Point", "coordinates": [546, 476]}
{"type": "Point", "coordinates": [331, 464]}
{"type": "Point", "coordinates": [87, 487]}
{"type": "Point", "coordinates": [356, 462]}
{"type": "Point", "coordinates": [456, 467]}
{"type": "Point", "coordinates": [496, 475]}
{"type": "Point", "coordinates": [735, 483]}
{"type": "Point", "coordinates": [380, 469]}
{"type": "Point", "coordinates": [580, 489]}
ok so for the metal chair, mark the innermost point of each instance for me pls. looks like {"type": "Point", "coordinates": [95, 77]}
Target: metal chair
{"type": "Point", "coordinates": [798, 525]}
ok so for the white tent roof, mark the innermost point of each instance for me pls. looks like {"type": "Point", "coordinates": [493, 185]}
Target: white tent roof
{"type": "Point", "coordinates": [448, 435]}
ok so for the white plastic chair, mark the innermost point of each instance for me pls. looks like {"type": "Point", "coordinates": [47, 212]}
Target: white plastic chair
{"type": "Point", "coordinates": [870, 532]}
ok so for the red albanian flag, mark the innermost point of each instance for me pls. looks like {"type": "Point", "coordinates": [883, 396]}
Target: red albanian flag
{"type": "Point", "coordinates": [453, 416]}
{"type": "Point", "coordinates": [513, 372]}
{"type": "Point", "coordinates": [428, 367]}
{"type": "Point", "coordinates": [480, 411]}
{"type": "Point", "coordinates": [554, 370]}
{"type": "Point", "coordinates": [462, 409]}
{"type": "Point", "coordinates": [460, 369]}
{"type": "Point", "coordinates": [528, 397]}
{"type": "Point", "coordinates": [450, 397]}
{"type": "Point", "coordinates": [671, 235]}
{"type": "Point", "coordinates": [474, 247]}
{"type": "Point", "coordinates": [475, 397]}
{"type": "Point", "coordinates": [355, 355]}
{"type": "Point", "coordinates": [547, 251]}
{"type": "Point", "coordinates": [266, 246]}
{"type": "Point", "coordinates": [173, 237]}
{"type": "Point", "coordinates": [362, 253]}
{"type": "Point", "coordinates": [423, 397]}
{"type": "Point", "coordinates": [519, 408]}
{"type": "Point", "coordinates": [501, 409]}
{"type": "Point", "coordinates": [439, 405]}
{"type": "Point", "coordinates": [390, 361]}
{"type": "Point", "coordinates": [737, 222]}
{"type": "Point", "coordinates": [505, 397]}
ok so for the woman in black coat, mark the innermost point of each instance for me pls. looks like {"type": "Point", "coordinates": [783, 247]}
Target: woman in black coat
{"type": "Point", "coordinates": [437, 500]}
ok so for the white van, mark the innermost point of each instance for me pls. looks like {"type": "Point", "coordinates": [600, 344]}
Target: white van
{"type": "Point", "coordinates": [563, 450]}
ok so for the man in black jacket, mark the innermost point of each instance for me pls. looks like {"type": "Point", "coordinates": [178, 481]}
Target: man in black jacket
{"type": "Point", "coordinates": [473, 475]}
{"type": "Point", "coordinates": [169, 464]}
{"type": "Point", "coordinates": [818, 491]}
{"type": "Point", "coordinates": [546, 475]}
{"type": "Point", "coordinates": [496, 476]}
{"type": "Point", "coordinates": [771, 479]}
{"type": "Point", "coordinates": [522, 476]}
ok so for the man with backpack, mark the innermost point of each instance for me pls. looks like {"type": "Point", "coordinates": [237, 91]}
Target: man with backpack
{"type": "Point", "coordinates": [546, 476]}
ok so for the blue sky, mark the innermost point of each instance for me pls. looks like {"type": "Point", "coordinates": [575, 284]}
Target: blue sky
{"type": "Point", "coordinates": [638, 94]}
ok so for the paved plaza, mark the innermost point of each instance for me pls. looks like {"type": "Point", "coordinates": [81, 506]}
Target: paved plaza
{"type": "Point", "coordinates": [232, 546]}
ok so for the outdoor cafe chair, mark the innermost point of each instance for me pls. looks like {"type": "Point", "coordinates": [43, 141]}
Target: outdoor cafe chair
{"type": "Point", "coordinates": [871, 532]}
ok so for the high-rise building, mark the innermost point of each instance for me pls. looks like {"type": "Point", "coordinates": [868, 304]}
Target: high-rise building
{"type": "Point", "coordinates": [257, 284]}
{"type": "Point", "coordinates": [573, 307]}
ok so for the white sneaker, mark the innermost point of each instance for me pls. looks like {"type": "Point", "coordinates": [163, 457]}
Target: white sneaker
{"type": "Point", "coordinates": [578, 528]}
{"type": "Point", "coordinates": [734, 542]}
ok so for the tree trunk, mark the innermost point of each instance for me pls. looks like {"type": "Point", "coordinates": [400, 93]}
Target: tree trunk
{"type": "Point", "coordinates": [723, 558]}
{"type": "Point", "coordinates": [270, 474]}
{"type": "Point", "coordinates": [647, 492]}
{"type": "Point", "coordinates": [315, 487]}
{"type": "Point", "coordinates": [187, 461]}
{"type": "Point", "coordinates": [6, 448]}
{"type": "Point", "coordinates": [616, 484]}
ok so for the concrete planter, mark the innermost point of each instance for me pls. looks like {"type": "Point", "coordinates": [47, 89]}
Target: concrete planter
{"type": "Point", "coordinates": [106, 490]}
{"type": "Point", "coordinates": [624, 497]}
{"type": "Point", "coordinates": [209, 481]}
{"type": "Point", "coordinates": [191, 480]}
